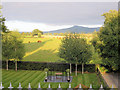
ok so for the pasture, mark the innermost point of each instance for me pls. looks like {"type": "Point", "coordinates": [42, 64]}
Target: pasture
{"type": "Point", "coordinates": [34, 77]}
{"type": "Point", "coordinates": [45, 51]}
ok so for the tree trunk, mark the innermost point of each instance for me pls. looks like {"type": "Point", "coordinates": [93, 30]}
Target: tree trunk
{"type": "Point", "coordinates": [82, 68]}
{"type": "Point", "coordinates": [70, 68]}
{"type": "Point", "coordinates": [6, 64]}
{"type": "Point", "coordinates": [16, 65]}
{"type": "Point", "coordinates": [68, 75]}
{"type": "Point", "coordinates": [76, 70]}
{"type": "Point", "coordinates": [46, 75]}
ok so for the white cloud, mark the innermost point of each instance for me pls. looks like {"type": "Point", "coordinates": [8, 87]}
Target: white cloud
{"type": "Point", "coordinates": [91, 26]}
{"type": "Point", "coordinates": [29, 26]}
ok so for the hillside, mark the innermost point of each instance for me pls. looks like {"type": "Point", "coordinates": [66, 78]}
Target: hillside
{"type": "Point", "coordinates": [77, 29]}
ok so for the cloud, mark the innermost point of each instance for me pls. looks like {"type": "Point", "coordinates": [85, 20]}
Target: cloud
{"type": "Point", "coordinates": [29, 26]}
{"type": "Point", "coordinates": [22, 26]}
{"type": "Point", "coordinates": [58, 13]}
{"type": "Point", "coordinates": [91, 26]}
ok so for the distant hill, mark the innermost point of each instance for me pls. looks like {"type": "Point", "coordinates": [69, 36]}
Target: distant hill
{"type": "Point", "coordinates": [75, 29]}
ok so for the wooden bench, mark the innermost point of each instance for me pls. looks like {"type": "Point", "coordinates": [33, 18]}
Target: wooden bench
{"type": "Point", "coordinates": [58, 74]}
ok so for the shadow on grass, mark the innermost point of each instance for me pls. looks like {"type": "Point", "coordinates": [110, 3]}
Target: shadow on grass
{"type": "Point", "coordinates": [30, 47]}
{"type": "Point", "coordinates": [43, 56]}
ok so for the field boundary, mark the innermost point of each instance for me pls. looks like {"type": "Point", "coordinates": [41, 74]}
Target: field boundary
{"type": "Point", "coordinates": [52, 66]}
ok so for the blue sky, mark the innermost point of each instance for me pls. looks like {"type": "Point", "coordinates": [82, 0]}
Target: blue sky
{"type": "Point", "coordinates": [47, 16]}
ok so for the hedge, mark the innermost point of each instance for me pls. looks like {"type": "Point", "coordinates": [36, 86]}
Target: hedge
{"type": "Point", "coordinates": [25, 65]}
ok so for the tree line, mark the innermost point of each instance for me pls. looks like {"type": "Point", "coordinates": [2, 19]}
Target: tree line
{"type": "Point", "coordinates": [35, 32]}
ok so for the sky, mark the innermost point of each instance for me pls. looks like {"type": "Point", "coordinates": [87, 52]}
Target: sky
{"type": "Point", "coordinates": [47, 16]}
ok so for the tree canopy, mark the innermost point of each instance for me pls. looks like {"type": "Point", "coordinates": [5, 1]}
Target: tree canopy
{"type": "Point", "coordinates": [75, 49]}
{"type": "Point", "coordinates": [106, 41]}
{"type": "Point", "coordinates": [13, 47]}
{"type": "Point", "coordinates": [2, 22]}
{"type": "Point", "coordinates": [36, 32]}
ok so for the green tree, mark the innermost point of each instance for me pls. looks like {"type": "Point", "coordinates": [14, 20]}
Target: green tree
{"type": "Point", "coordinates": [106, 42]}
{"type": "Point", "coordinates": [75, 50]}
{"type": "Point", "coordinates": [19, 50]}
{"type": "Point", "coordinates": [46, 72]}
{"type": "Point", "coordinates": [96, 58]}
{"type": "Point", "coordinates": [2, 22]}
{"type": "Point", "coordinates": [7, 47]}
{"type": "Point", "coordinates": [55, 34]}
{"type": "Point", "coordinates": [36, 31]}
{"type": "Point", "coordinates": [22, 33]}
{"type": "Point", "coordinates": [30, 33]}
{"type": "Point", "coordinates": [39, 34]}
{"type": "Point", "coordinates": [68, 72]}
{"type": "Point", "coordinates": [27, 33]}
{"type": "Point", "coordinates": [2, 25]}
{"type": "Point", "coordinates": [13, 48]}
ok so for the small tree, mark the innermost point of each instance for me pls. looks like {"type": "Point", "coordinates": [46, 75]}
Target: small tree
{"type": "Point", "coordinates": [68, 72]}
{"type": "Point", "coordinates": [13, 48]}
{"type": "Point", "coordinates": [19, 50]}
{"type": "Point", "coordinates": [36, 32]}
{"type": "Point", "coordinates": [39, 35]}
{"type": "Point", "coordinates": [2, 25]}
{"type": "Point", "coordinates": [7, 47]}
{"type": "Point", "coordinates": [75, 49]}
{"type": "Point", "coordinates": [46, 70]}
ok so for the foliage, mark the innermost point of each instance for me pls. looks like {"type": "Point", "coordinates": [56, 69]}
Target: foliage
{"type": "Point", "coordinates": [39, 34]}
{"type": "Point", "coordinates": [68, 70]}
{"type": "Point", "coordinates": [12, 46]}
{"type": "Point", "coordinates": [7, 46]}
{"type": "Point", "coordinates": [52, 66]}
{"type": "Point", "coordinates": [106, 41]}
{"type": "Point", "coordinates": [36, 31]}
{"type": "Point", "coordinates": [19, 51]}
{"type": "Point", "coordinates": [2, 24]}
{"type": "Point", "coordinates": [75, 49]}
{"type": "Point", "coordinates": [96, 59]}
{"type": "Point", "coordinates": [46, 69]}
{"type": "Point", "coordinates": [102, 69]}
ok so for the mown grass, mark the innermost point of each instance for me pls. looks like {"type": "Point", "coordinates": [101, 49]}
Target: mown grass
{"type": "Point", "coordinates": [34, 77]}
{"type": "Point", "coordinates": [46, 51]}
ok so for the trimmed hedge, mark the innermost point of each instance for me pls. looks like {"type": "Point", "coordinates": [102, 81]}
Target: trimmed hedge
{"type": "Point", "coordinates": [23, 65]}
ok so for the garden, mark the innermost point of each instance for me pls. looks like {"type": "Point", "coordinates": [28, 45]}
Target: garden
{"type": "Point", "coordinates": [35, 77]}
{"type": "Point", "coordinates": [35, 73]}
{"type": "Point", "coordinates": [66, 62]}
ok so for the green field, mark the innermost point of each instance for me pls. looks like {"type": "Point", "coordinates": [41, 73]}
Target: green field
{"type": "Point", "coordinates": [34, 77]}
{"type": "Point", "coordinates": [46, 51]}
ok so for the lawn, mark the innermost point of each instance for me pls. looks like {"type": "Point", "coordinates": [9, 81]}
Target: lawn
{"type": "Point", "coordinates": [46, 51]}
{"type": "Point", "coordinates": [34, 77]}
